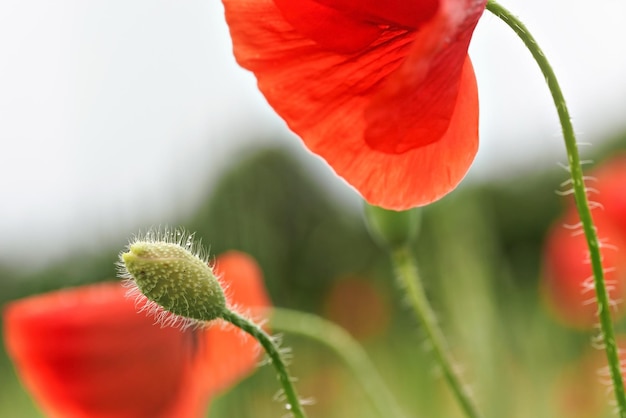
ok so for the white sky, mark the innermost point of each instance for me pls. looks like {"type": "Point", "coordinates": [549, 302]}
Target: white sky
{"type": "Point", "coordinates": [114, 112]}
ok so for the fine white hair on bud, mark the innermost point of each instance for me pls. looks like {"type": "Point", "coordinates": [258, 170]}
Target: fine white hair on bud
{"type": "Point", "coordinates": [170, 269]}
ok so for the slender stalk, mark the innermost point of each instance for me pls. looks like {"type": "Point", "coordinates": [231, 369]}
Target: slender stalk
{"type": "Point", "coordinates": [407, 275]}
{"type": "Point", "coordinates": [352, 354]}
{"type": "Point", "coordinates": [580, 195]}
{"type": "Point", "coordinates": [273, 351]}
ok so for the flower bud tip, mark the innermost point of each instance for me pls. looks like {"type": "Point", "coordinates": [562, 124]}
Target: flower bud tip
{"type": "Point", "coordinates": [171, 275]}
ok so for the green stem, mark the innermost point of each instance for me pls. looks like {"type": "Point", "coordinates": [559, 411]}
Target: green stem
{"type": "Point", "coordinates": [353, 355]}
{"type": "Point", "coordinates": [273, 351]}
{"type": "Point", "coordinates": [582, 203]}
{"type": "Point", "coordinates": [408, 277]}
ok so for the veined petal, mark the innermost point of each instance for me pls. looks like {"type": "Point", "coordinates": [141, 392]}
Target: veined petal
{"type": "Point", "coordinates": [416, 103]}
{"type": "Point", "coordinates": [383, 117]}
{"type": "Point", "coordinates": [348, 26]}
{"type": "Point", "coordinates": [425, 174]}
{"type": "Point", "coordinates": [404, 13]}
{"type": "Point", "coordinates": [330, 28]}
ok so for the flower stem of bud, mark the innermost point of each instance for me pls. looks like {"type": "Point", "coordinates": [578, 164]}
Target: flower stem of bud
{"type": "Point", "coordinates": [180, 280]}
{"type": "Point", "coordinates": [352, 354]}
{"type": "Point", "coordinates": [396, 231]}
{"type": "Point", "coordinates": [273, 351]}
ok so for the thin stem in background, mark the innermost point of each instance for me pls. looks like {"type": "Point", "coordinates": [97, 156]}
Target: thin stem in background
{"type": "Point", "coordinates": [582, 203]}
{"type": "Point", "coordinates": [406, 271]}
{"type": "Point", "coordinates": [273, 351]}
{"type": "Point", "coordinates": [352, 354]}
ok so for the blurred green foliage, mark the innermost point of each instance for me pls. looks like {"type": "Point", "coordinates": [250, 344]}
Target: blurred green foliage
{"type": "Point", "coordinates": [479, 252]}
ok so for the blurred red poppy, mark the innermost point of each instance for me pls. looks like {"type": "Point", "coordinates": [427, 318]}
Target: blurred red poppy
{"type": "Point", "coordinates": [567, 272]}
{"type": "Point", "coordinates": [358, 306]}
{"type": "Point", "coordinates": [86, 352]}
{"type": "Point", "coordinates": [610, 183]}
{"type": "Point", "coordinates": [567, 283]}
{"type": "Point", "coordinates": [383, 90]}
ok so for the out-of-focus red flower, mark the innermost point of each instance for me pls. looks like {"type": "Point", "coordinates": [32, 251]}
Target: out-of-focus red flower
{"type": "Point", "coordinates": [610, 184]}
{"type": "Point", "coordinates": [567, 271]}
{"type": "Point", "coordinates": [383, 90]}
{"type": "Point", "coordinates": [359, 307]}
{"type": "Point", "coordinates": [567, 276]}
{"type": "Point", "coordinates": [86, 352]}
{"type": "Point", "coordinates": [577, 388]}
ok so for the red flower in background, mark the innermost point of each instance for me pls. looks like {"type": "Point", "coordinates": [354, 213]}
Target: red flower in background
{"type": "Point", "coordinates": [611, 190]}
{"type": "Point", "coordinates": [567, 283]}
{"type": "Point", "coordinates": [358, 306]}
{"type": "Point", "coordinates": [383, 90]}
{"type": "Point", "coordinates": [86, 352]}
{"type": "Point", "coordinates": [567, 273]}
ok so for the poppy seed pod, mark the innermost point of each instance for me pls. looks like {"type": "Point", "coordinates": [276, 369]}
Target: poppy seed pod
{"type": "Point", "coordinates": [171, 275]}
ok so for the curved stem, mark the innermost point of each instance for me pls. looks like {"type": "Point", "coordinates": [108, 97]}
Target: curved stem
{"type": "Point", "coordinates": [353, 355]}
{"type": "Point", "coordinates": [408, 278]}
{"type": "Point", "coordinates": [580, 195]}
{"type": "Point", "coordinates": [273, 352]}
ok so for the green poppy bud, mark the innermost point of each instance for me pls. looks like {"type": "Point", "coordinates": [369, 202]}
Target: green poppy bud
{"type": "Point", "coordinates": [170, 274]}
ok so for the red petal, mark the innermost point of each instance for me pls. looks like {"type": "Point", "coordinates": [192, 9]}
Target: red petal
{"type": "Point", "coordinates": [87, 353]}
{"type": "Point", "coordinates": [347, 26]}
{"type": "Point", "coordinates": [228, 354]}
{"type": "Point", "coordinates": [404, 13]}
{"type": "Point", "coordinates": [416, 103]}
{"type": "Point", "coordinates": [398, 120]}
{"type": "Point", "coordinates": [328, 27]}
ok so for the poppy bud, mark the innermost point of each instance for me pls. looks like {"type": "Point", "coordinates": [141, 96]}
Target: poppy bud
{"type": "Point", "coordinates": [172, 276]}
{"type": "Point", "coordinates": [392, 228]}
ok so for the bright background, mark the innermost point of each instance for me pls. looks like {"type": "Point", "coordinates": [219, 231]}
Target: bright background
{"type": "Point", "coordinates": [113, 112]}
{"type": "Point", "coordinates": [116, 115]}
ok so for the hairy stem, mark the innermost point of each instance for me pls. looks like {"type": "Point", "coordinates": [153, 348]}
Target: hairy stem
{"type": "Point", "coordinates": [273, 351]}
{"type": "Point", "coordinates": [352, 354]}
{"type": "Point", "coordinates": [582, 203]}
{"type": "Point", "coordinates": [407, 275]}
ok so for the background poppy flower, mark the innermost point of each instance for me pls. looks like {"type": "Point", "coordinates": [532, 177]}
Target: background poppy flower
{"type": "Point", "coordinates": [566, 267]}
{"type": "Point", "coordinates": [567, 272]}
{"type": "Point", "coordinates": [383, 91]}
{"type": "Point", "coordinates": [86, 352]}
{"type": "Point", "coordinates": [610, 183]}
{"type": "Point", "coordinates": [358, 306]}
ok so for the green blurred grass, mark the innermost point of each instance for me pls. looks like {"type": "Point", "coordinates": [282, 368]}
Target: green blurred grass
{"type": "Point", "coordinates": [479, 255]}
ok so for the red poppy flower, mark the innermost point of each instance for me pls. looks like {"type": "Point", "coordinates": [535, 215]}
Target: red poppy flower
{"type": "Point", "coordinates": [358, 306]}
{"type": "Point", "coordinates": [383, 90]}
{"type": "Point", "coordinates": [568, 278]}
{"type": "Point", "coordinates": [86, 352]}
{"type": "Point", "coordinates": [610, 184]}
